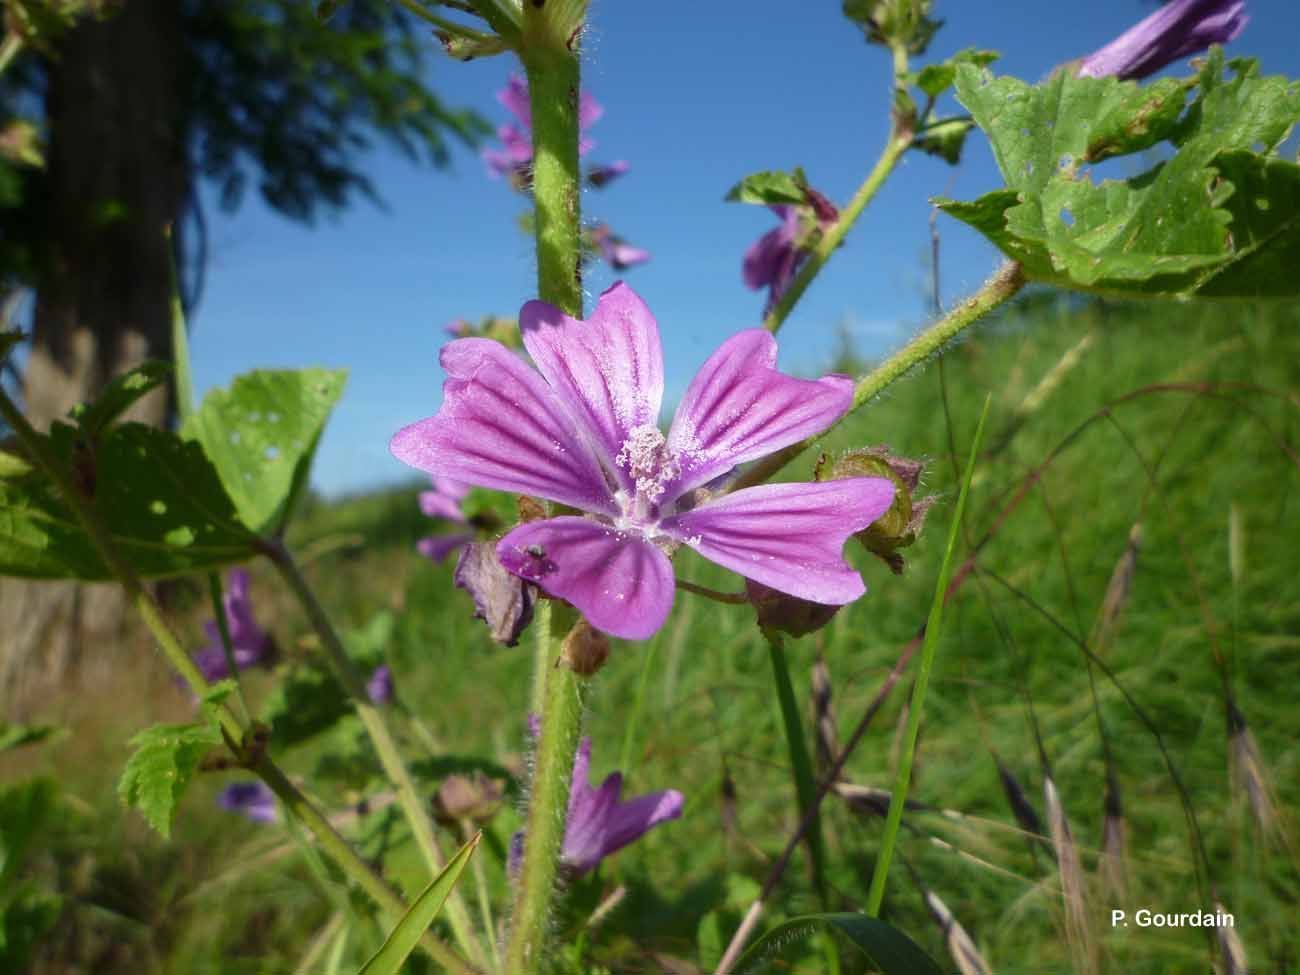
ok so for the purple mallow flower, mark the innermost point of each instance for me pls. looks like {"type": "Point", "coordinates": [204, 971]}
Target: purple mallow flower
{"type": "Point", "coordinates": [584, 433]}
{"type": "Point", "coordinates": [444, 502]}
{"type": "Point", "coordinates": [774, 259]}
{"type": "Point", "coordinates": [380, 686]}
{"type": "Point", "coordinates": [248, 641]}
{"type": "Point", "coordinates": [1174, 31]}
{"type": "Point", "coordinates": [599, 824]}
{"type": "Point", "coordinates": [515, 157]}
{"type": "Point", "coordinates": [614, 250]}
{"type": "Point", "coordinates": [253, 800]}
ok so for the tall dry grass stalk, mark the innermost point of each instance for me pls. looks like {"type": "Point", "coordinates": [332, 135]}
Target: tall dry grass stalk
{"type": "Point", "coordinates": [1078, 929]}
{"type": "Point", "coordinates": [826, 733]}
{"type": "Point", "coordinates": [1024, 811]}
{"type": "Point", "coordinates": [1231, 950]}
{"type": "Point", "coordinates": [1113, 864]}
{"type": "Point", "coordinates": [961, 947]}
{"type": "Point", "coordinates": [1248, 775]}
{"type": "Point", "coordinates": [1119, 587]}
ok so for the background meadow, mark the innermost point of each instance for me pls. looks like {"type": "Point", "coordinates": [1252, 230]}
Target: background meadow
{"type": "Point", "coordinates": [1150, 416]}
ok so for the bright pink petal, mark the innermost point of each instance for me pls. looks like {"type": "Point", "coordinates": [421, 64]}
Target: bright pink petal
{"type": "Point", "coordinates": [788, 536]}
{"type": "Point", "coordinates": [609, 370]}
{"type": "Point", "coordinates": [739, 407]}
{"type": "Point", "coordinates": [621, 583]}
{"type": "Point", "coordinates": [502, 427]}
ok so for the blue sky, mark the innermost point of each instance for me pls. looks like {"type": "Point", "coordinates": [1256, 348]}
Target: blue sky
{"type": "Point", "coordinates": [696, 96]}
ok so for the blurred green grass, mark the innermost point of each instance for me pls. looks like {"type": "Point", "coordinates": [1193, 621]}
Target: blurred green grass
{"type": "Point", "coordinates": [1206, 397]}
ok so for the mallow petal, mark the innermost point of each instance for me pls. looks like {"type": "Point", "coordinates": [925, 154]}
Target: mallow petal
{"type": "Point", "coordinates": [436, 548]}
{"type": "Point", "coordinates": [765, 255]}
{"type": "Point", "coordinates": [740, 407]}
{"type": "Point", "coordinates": [788, 536]}
{"type": "Point", "coordinates": [621, 583]}
{"type": "Point", "coordinates": [608, 370]}
{"type": "Point", "coordinates": [632, 819]}
{"type": "Point", "coordinates": [435, 504]}
{"type": "Point", "coordinates": [501, 427]}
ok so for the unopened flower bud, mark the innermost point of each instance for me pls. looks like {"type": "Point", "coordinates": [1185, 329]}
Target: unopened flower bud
{"type": "Point", "coordinates": [787, 614]}
{"type": "Point", "coordinates": [473, 797]}
{"type": "Point", "coordinates": [584, 650]}
{"type": "Point", "coordinates": [898, 527]}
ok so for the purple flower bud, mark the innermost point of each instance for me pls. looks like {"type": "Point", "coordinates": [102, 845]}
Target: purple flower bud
{"type": "Point", "coordinates": [380, 686]}
{"type": "Point", "coordinates": [1176, 30]}
{"type": "Point", "coordinates": [774, 259]}
{"type": "Point", "coordinates": [248, 641]}
{"type": "Point", "coordinates": [252, 800]}
{"type": "Point", "coordinates": [602, 175]}
{"type": "Point", "coordinates": [787, 614]}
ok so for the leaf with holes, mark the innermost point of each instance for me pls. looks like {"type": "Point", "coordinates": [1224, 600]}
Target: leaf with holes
{"type": "Point", "coordinates": [159, 497]}
{"type": "Point", "coordinates": [166, 758]}
{"type": "Point", "coordinates": [261, 434]}
{"type": "Point", "coordinates": [1212, 220]}
{"type": "Point", "coordinates": [935, 79]}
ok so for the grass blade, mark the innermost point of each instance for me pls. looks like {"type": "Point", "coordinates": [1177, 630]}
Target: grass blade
{"type": "Point", "coordinates": [388, 960]}
{"type": "Point", "coordinates": [890, 950]}
{"type": "Point", "coordinates": [933, 627]}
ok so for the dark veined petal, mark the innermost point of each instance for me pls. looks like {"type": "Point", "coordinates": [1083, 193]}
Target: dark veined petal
{"type": "Point", "coordinates": [740, 407]}
{"type": "Point", "coordinates": [621, 583]}
{"type": "Point", "coordinates": [608, 370]}
{"type": "Point", "coordinates": [502, 427]}
{"type": "Point", "coordinates": [788, 536]}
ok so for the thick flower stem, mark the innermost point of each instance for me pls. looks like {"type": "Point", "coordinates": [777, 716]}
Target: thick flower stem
{"type": "Point", "coordinates": [417, 817]}
{"type": "Point", "coordinates": [548, 807]}
{"type": "Point", "coordinates": [553, 78]}
{"type": "Point", "coordinates": [330, 841]}
{"type": "Point", "coordinates": [1004, 285]}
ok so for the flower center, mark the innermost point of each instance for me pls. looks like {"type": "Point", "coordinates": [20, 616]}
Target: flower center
{"type": "Point", "coordinates": [647, 460]}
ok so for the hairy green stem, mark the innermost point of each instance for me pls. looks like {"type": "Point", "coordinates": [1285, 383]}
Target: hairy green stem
{"type": "Point", "coordinates": [1005, 284]}
{"type": "Point", "coordinates": [933, 627]}
{"type": "Point", "coordinates": [551, 64]}
{"type": "Point", "coordinates": [227, 649]}
{"type": "Point", "coordinates": [295, 802]}
{"type": "Point", "coordinates": [408, 797]}
{"type": "Point", "coordinates": [548, 807]}
{"type": "Point", "coordinates": [553, 78]}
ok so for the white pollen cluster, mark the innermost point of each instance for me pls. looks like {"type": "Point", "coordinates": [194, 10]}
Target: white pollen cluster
{"type": "Point", "coordinates": [644, 455]}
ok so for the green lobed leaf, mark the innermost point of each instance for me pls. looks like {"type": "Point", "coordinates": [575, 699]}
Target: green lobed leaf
{"type": "Point", "coordinates": [935, 79]}
{"type": "Point", "coordinates": [156, 775]}
{"type": "Point", "coordinates": [767, 188]}
{"type": "Point", "coordinates": [944, 139]}
{"type": "Point", "coordinates": [390, 957]}
{"type": "Point", "coordinates": [891, 951]}
{"type": "Point", "coordinates": [1213, 220]}
{"type": "Point", "coordinates": [261, 434]}
{"type": "Point", "coordinates": [157, 495]}
{"type": "Point", "coordinates": [118, 396]}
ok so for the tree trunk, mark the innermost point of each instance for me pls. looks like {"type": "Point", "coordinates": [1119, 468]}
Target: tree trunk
{"type": "Point", "coordinates": [117, 178]}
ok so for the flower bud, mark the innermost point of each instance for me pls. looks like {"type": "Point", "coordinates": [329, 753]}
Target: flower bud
{"type": "Point", "coordinates": [584, 651]}
{"type": "Point", "coordinates": [787, 614]}
{"type": "Point", "coordinates": [898, 527]}
{"type": "Point", "coordinates": [473, 797]}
